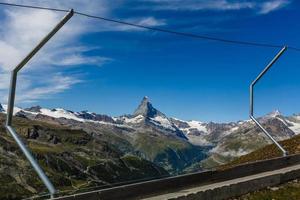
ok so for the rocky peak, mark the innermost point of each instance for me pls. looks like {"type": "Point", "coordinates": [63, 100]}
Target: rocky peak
{"type": "Point", "coordinates": [35, 109]}
{"type": "Point", "coordinates": [146, 109]}
{"type": "Point", "coordinates": [96, 117]}
{"type": "Point", "coordinates": [274, 113]}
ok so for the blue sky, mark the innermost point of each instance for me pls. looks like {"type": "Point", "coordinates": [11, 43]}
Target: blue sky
{"type": "Point", "coordinates": [108, 68]}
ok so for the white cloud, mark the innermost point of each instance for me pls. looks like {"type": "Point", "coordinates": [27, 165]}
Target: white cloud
{"type": "Point", "coordinates": [149, 21]}
{"type": "Point", "coordinates": [20, 32]}
{"type": "Point", "coordinates": [144, 21]}
{"type": "Point", "coordinates": [200, 5]}
{"type": "Point", "coordinates": [4, 83]}
{"type": "Point", "coordinates": [9, 56]}
{"type": "Point", "coordinates": [261, 7]}
{"type": "Point", "coordinates": [270, 6]}
{"type": "Point", "coordinates": [22, 29]}
{"type": "Point", "coordinates": [80, 60]}
{"type": "Point", "coordinates": [58, 83]}
{"type": "Point", "coordinates": [72, 56]}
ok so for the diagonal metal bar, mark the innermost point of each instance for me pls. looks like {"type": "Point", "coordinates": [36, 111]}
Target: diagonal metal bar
{"type": "Point", "coordinates": [11, 102]}
{"type": "Point", "coordinates": [284, 152]}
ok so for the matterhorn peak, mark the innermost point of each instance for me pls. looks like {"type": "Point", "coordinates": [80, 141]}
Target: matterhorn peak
{"type": "Point", "coordinates": [146, 109]}
{"type": "Point", "coordinates": [146, 99]}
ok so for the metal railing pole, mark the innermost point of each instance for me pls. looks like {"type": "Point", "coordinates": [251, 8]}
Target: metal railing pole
{"type": "Point", "coordinates": [251, 108]}
{"type": "Point", "coordinates": [11, 102]}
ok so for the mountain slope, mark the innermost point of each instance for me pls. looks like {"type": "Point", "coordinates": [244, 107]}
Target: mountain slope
{"type": "Point", "coordinates": [176, 145]}
{"type": "Point", "coordinates": [72, 158]}
{"type": "Point", "coordinates": [247, 137]}
{"type": "Point", "coordinates": [148, 133]}
{"type": "Point", "coordinates": [292, 145]}
{"type": "Point", "coordinates": [168, 152]}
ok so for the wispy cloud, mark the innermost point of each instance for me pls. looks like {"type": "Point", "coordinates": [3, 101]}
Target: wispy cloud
{"type": "Point", "coordinates": [144, 21]}
{"type": "Point", "coordinates": [199, 5]}
{"type": "Point", "coordinates": [56, 84]}
{"type": "Point", "coordinates": [82, 60]}
{"type": "Point", "coordinates": [260, 7]}
{"type": "Point", "coordinates": [270, 6]}
{"type": "Point", "coordinates": [21, 29]}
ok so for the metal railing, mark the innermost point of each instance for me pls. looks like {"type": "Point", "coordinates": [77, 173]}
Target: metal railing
{"type": "Point", "coordinates": [11, 102]}
{"type": "Point", "coordinates": [252, 100]}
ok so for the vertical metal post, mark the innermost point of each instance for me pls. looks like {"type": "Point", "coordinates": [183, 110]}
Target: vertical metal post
{"type": "Point", "coordinates": [251, 110]}
{"type": "Point", "coordinates": [11, 101]}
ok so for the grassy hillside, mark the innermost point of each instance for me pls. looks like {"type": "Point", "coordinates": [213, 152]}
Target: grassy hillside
{"type": "Point", "coordinates": [290, 190]}
{"type": "Point", "coordinates": [287, 191]}
{"type": "Point", "coordinates": [270, 151]}
{"type": "Point", "coordinates": [172, 154]}
{"type": "Point", "coordinates": [78, 156]}
{"type": "Point", "coordinates": [72, 158]}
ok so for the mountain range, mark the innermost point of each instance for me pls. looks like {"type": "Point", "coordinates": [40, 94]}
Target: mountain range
{"type": "Point", "coordinates": [84, 149]}
{"type": "Point", "coordinates": [195, 132]}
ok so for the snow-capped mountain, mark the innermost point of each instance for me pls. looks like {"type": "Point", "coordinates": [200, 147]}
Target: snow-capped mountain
{"type": "Point", "coordinates": [4, 109]}
{"type": "Point", "coordinates": [197, 132]}
{"type": "Point", "coordinates": [293, 123]}
{"type": "Point", "coordinates": [227, 140]}
{"type": "Point", "coordinates": [144, 116]}
{"type": "Point", "coordinates": [247, 137]}
{"type": "Point", "coordinates": [148, 134]}
{"type": "Point", "coordinates": [83, 116]}
{"type": "Point", "coordinates": [147, 110]}
{"type": "Point", "coordinates": [273, 114]}
{"type": "Point", "coordinates": [55, 113]}
{"type": "Point", "coordinates": [147, 115]}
